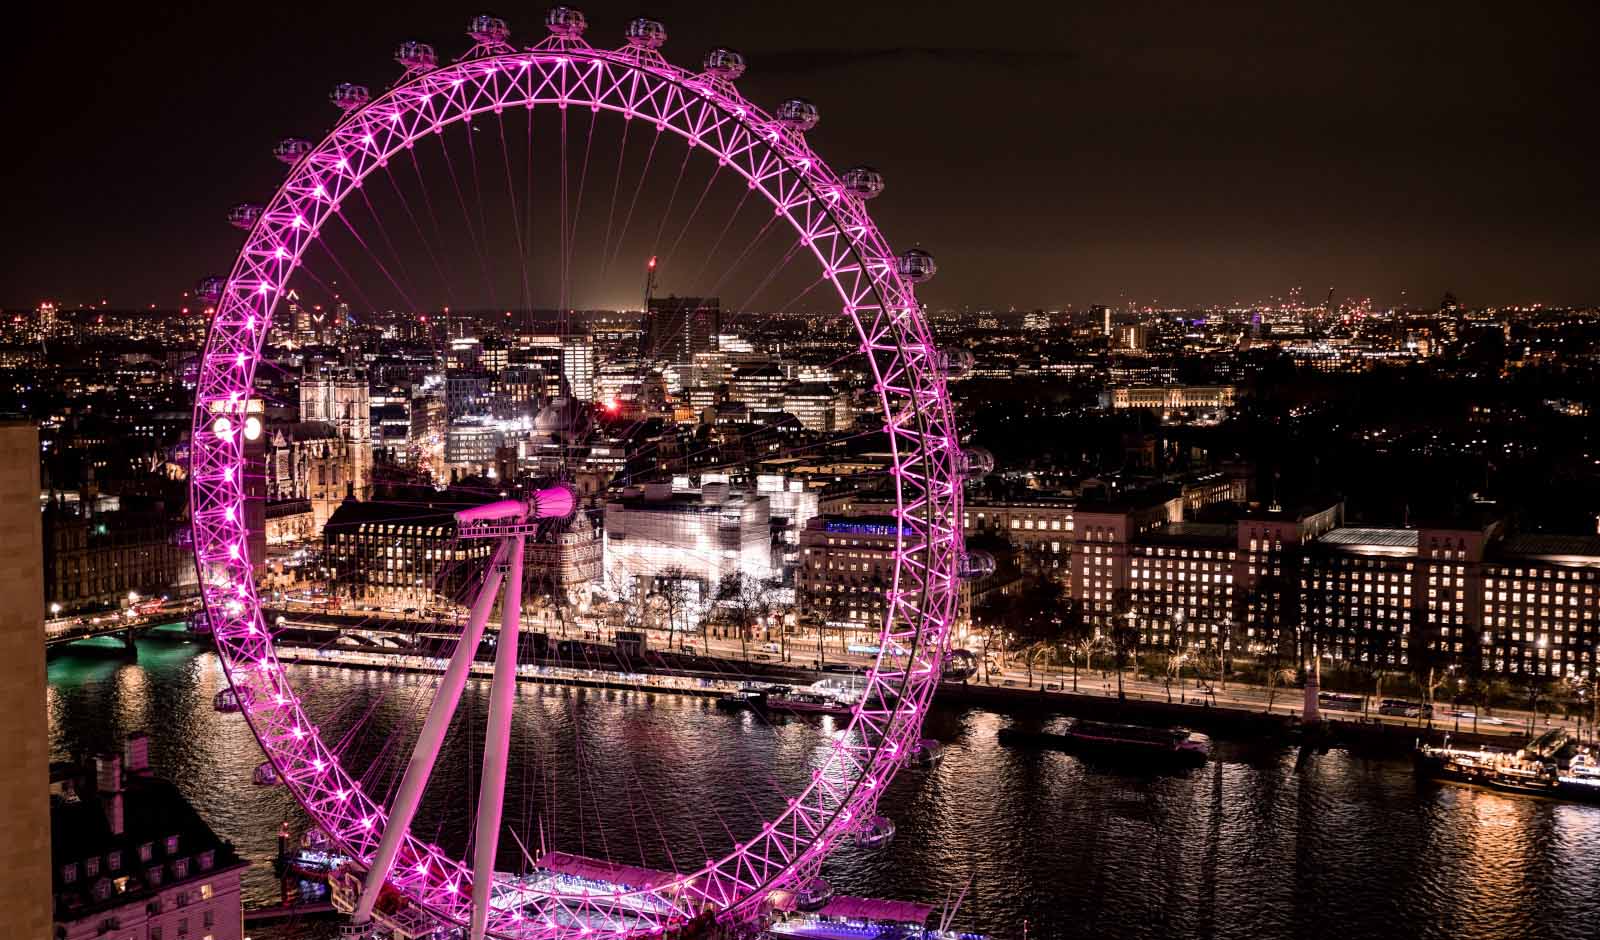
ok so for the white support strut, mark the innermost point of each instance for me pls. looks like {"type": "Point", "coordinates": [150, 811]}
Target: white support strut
{"type": "Point", "coordinates": [426, 751]}
{"type": "Point", "coordinates": [496, 744]}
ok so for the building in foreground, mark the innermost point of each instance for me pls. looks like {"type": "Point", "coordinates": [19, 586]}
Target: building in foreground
{"type": "Point", "coordinates": [24, 774]}
{"type": "Point", "coordinates": [404, 552]}
{"type": "Point", "coordinates": [132, 860]}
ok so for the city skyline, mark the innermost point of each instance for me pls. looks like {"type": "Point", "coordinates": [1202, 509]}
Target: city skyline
{"type": "Point", "coordinates": [890, 473]}
{"type": "Point", "coordinates": [1202, 158]}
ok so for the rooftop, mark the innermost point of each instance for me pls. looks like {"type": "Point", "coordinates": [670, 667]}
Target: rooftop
{"type": "Point", "coordinates": [153, 811]}
{"type": "Point", "coordinates": [1587, 546]}
{"type": "Point", "coordinates": [1360, 536]}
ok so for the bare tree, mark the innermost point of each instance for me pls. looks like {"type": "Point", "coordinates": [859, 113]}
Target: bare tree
{"type": "Point", "coordinates": [635, 601]}
{"type": "Point", "coordinates": [748, 601]}
{"type": "Point", "coordinates": [672, 590]}
{"type": "Point", "coordinates": [1086, 647]}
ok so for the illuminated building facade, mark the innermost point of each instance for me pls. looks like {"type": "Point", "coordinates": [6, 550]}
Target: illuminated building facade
{"type": "Point", "coordinates": [846, 564]}
{"type": "Point", "coordinates": [706, 534]}
{"type": "Point", "coordinates": [398, 552]}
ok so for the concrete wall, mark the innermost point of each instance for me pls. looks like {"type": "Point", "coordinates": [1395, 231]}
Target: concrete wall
{"type": "Point", "coordinates": [25, 771]}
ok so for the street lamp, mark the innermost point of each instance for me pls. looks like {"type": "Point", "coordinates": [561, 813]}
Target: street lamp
{"type": "Point", "coordinates": [55, 609]}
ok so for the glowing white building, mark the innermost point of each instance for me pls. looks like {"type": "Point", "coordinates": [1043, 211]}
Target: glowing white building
{"type": "Point", "coordinates": [704, 534]}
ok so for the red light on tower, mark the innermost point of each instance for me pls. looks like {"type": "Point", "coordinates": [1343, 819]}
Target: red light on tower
{"type": "Point", "coordinates": [652, 264]}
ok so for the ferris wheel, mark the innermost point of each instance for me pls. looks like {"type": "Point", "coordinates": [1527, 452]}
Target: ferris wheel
{"type": "Point", "coordinates": [824, 214]}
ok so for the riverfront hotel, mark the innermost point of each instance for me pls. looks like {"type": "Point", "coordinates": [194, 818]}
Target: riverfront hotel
{"type": "Point", "coordinates": [1503, 603]}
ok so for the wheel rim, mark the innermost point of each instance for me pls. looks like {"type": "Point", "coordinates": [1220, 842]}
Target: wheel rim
{"type": "Point", "coordinates": [920, 603]}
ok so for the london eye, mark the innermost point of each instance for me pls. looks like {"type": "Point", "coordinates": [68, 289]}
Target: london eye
{"type": "Point", "coordinates": [341, 190]}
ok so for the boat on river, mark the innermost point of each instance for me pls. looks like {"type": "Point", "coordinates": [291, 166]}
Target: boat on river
{"type": "Point", "coordinates": [785, 699]}
{"type": "Point", "coordinates": [1118, 740]}
{"type": "Point", "coordinates": [803, 702]}
{"type": "Point", "coordinates": [1541, 768]}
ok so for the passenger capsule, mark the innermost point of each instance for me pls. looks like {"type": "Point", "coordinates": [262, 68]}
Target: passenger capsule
{"type": "Point", "coordinates": [976, 463]}
{"type": "Point", "coordinates": [291, 150]}
{"type": "Point", "coordinates": [976, 565]}
{"type": "Point", "coordinates": [927, 752]}
{"type": "Point", "coordinates": [724, 63]}
{"type": "Point", "coordinates": [956, 364]}
{"type": "Point", "coordinates": [348, 97]}
{"type": "Point", "coordinates": [210, 288]}
{"type": "Point", "coordinates": [798, 114]}
{"type": "Point", "coordinates": [814, 895]}
{"type": "Point", "coordinates": [917, 266]}
{"type": "Point", "coordinates": [566, 22]}
{"type": "Point", "coordinates": [645, 33]}
{"type": "Point", "coordinates": [244, 215]}
{"type": "Point", "coordinates": [863, 182]}
{"type": "Point", "coordinates": [488, 30]}
{"type": "Point", "coordinates": [875, 833]}
{"type": "Point", "coordinates": [416, 56]}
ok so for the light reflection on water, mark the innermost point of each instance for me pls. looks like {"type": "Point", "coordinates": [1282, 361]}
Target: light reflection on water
{"type": "Point", "coordinates": [1244, 847]}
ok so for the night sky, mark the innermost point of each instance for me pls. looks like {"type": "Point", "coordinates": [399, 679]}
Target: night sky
{"type": "Point", "coordinates": [1049, 154]}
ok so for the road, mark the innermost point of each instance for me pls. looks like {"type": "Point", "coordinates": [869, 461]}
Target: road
{"type": "Point", "coordinates": [802, 652]}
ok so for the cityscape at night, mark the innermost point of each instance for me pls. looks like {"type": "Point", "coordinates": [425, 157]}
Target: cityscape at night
{"type": "Point", "coordinates": [887, 472]}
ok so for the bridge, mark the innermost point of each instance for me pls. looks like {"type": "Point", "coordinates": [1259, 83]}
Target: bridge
{"type": "Point", "coordinates": [60, 632]}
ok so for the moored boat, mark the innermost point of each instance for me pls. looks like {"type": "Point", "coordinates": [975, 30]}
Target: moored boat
{"type": "Point", "coordinates": [1534, 770]}
{"type": "Point", "coordinates": [739, 701]}
{"type": "Point", "coordinates": [1580, 780]}
{"type": "Point", "coordinates": [804, 703]}
{"type": "Point", "coordinates": [1135, 741]}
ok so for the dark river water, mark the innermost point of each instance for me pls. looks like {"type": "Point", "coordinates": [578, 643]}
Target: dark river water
{"type": "Point", "coordinates": [1247, 846]}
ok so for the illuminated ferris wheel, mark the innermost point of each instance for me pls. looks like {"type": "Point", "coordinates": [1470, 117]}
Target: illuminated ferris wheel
{"type": "Point", "coordinates": [824, 216]}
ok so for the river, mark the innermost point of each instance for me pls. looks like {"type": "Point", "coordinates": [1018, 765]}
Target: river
{"type": "Point", "coordinates": [1346, 847]}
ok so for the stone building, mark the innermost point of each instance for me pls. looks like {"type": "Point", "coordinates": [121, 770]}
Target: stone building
{"type": "Point", "coordinates": [95, 559]}
{"type": "Point", "coordinates": [132, 860]}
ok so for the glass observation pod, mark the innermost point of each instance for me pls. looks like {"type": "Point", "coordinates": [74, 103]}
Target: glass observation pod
{"type": "Point", "coordinates": [488, 29]}
{"type": "Point", "coordinates": [863, 182]}
{"type": "Point", "coordinates": [348, 97]}
{"type": "Point", "coordinates": [292, 150]}
{"type": "Point", "coordinates": [244, 215]}
{"type": "Point", "coordinates": [975, 464]}
{"type": "Point", "coordinates": [724, 63]}
{"type": "Point", "coordinates": [646, 33]}
{"type": "Point", "coordinates": [798, 114]}
{"type": "Point", "coordinates": [956, 364]}
{"type": "Point", "coordinates": [877, 833]}
{"type": "Point", "coordinates": [566, 22]}
{"type": "Point", "coordinates": [210, 288]}
{"type": "Point", "coordinates": [917, 266]}
{"type": "Point", "coordinates": [416, 56]}
{"type": "Point", "coordinates": [977, 565]}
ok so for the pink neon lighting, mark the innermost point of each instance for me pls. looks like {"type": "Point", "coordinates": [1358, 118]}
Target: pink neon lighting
{"type": "Point", "coordinates": [919, 425]}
